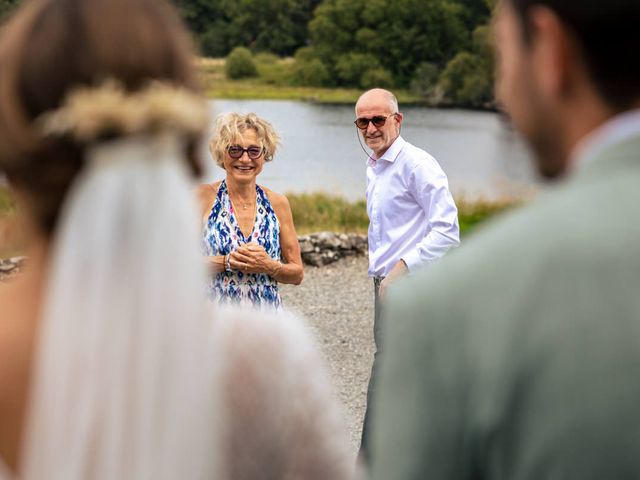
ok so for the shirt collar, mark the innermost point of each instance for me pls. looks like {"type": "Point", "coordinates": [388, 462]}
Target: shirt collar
{"type": "Point", "coordinates": [392, 152]}
{"type": "Point", "coordinates": [616, 130]}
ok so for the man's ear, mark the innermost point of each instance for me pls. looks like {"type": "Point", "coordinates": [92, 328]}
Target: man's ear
{"type": "Point", "coordinates": [555, 57]}
{"type": "Point", "coordinates": [399, 118]}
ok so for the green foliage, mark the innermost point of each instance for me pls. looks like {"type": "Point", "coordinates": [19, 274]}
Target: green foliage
{"type": "Point", "coordinates": [462, 81]}
{"type": "Point", "coordinates": [376, 78]}
{"type": "Point", "coordinates": [214, 41]}
{"type": "Point", "coordinates": [400, 35]}
{"type": "Point", "coordinates": [318, 211]}
{"type": "Point", "coordinates": [310, 73]}
{"type": "Point", "coordinates": [306, 54]}
{"type": "Point", "coordinates": [468, 77]}
{"type": "Point", "coordinates": [472, 213]}
{"type": "Point", "coordinates": [266, 58]}
{"type": "Point", "coordinates": [308, 70]}
{"type": "Point", "coordinates": [425, 79]}
{"type": "Point", "coordinates": [272, 70]}
{"type": "Point", "coordinates": [278, 26]}
{"type": "Point", "coordinates": [240, 64]}
{"type": "Point", "coordinates": [351, 67]}
{"type": "Point", "coordinates": [359, 43]}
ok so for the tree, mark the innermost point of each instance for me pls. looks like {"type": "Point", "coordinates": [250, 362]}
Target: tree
{"type": "Point", "coordinates": [468, 77]}
{"type": "Point", "coordinates": [425, 80]}
{"type": "Point", "coordinates": [400, 34]}
{"type": "Point", "coordinates": [277, 26]}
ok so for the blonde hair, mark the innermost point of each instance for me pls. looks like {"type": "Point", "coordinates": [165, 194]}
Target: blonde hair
{"type": "Point", "coordinates": [231, 125]}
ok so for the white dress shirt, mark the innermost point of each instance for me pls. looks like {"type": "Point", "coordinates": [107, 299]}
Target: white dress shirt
{"type": "Point", "coordinates": [412, 215]}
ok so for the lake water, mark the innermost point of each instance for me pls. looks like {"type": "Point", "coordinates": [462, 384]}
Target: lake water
{"type": "Point", "coordinates": [478, 151]}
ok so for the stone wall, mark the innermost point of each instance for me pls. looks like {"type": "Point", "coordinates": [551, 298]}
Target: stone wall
{"type": "Point", "coordinates": [322, 248]}
{"type": "Point", "coordinates": [317, 249]}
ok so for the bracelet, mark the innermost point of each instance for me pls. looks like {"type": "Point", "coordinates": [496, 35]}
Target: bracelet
{"type": "Point", "coordinates": [227, 262]}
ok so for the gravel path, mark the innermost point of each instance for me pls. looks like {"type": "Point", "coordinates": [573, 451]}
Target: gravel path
{"type": "Point", "coordinates": [337, 301]}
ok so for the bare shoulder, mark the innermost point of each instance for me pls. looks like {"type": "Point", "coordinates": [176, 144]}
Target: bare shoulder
{"type": "Point", "coordinates": [279, 202]}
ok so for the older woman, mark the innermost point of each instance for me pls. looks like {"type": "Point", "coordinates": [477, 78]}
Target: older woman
{"type": "Point", "coordinates": [250, 241]}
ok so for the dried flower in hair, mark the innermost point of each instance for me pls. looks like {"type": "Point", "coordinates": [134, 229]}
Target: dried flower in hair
{"type": "Point", "coordinates": [89, 113]}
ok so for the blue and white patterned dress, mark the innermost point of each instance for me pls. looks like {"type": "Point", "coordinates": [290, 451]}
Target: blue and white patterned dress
{"type": "Point", "coordinates": [222, 235]}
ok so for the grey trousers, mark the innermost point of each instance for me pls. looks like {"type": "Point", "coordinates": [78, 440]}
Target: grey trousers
{"type": "Point", "coordinates": [365, 444]}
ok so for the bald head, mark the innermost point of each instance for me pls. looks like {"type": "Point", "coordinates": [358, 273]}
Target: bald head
{"type": "Point", "coordinates": [378, 96]}
{"type": "Point", "coordinates": [379, 105]}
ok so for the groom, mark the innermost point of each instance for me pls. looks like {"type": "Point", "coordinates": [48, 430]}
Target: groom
{"type": "Point", "coordinates": [518, 356]}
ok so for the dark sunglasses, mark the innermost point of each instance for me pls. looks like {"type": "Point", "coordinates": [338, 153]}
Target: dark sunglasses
{"type": "Point", "coordinates": [378, 121]}
{"type": "Point", "coordinates": [236, 152]}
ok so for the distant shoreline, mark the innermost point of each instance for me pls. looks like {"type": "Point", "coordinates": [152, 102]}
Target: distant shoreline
{"type": "Point", "coordinates": [217, 86]}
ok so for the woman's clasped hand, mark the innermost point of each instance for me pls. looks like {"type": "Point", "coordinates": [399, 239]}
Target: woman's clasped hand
{"type": "Point", "coordinates": [253, 258]}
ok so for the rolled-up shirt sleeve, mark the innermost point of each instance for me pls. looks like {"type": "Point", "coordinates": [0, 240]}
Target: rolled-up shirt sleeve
{"type": "Point", "coordinates": [430, 188]}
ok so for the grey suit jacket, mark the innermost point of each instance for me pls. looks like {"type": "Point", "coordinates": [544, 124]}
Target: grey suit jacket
{"type": "Point", "coordinates": [518, 356]}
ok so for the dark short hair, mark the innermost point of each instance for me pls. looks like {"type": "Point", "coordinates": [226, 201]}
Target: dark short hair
{"type": "Point", "coordinates": [607, 32]}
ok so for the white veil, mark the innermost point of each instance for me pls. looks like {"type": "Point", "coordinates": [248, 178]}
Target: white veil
{"type": "Point", "coordinates": [123, 386]}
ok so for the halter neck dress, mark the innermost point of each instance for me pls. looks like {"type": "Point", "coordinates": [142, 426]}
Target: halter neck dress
{"type": "Point", "coordinates": [222, 235]}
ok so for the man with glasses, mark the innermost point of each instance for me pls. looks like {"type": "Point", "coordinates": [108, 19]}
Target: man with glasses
{"type": "Point", "coordinates": [413, 219]}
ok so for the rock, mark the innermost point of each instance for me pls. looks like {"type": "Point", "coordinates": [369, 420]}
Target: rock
{"type": "Point", "coordinates": [327, 240]}
{"type": "Point", "coordinates": [323, 248]}
{"type": "Point", "coordinates": [306, 245]}
{"type": "Point", "coordinates": [313, 258]}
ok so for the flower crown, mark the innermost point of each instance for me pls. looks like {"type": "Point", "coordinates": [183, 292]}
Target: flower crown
{"type": "Point", "coordinates": [89, 113]}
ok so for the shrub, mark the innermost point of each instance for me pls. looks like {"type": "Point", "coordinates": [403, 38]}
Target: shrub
{"type": "Point", "coordinates": [352, 66]}
{"type": "Point", "coordinates": [425, 79]}
{"type": "Point", "coordinates": [280, 73]}
{"type": "Point", "coordinates": [376, 78]}
{"type": "Point", "coordinates": [306, 54]}
{"type": "Point", "coordinates": [266, 58]}
{"type": "Point", "coordinates": [467, 80]}
{"type": "Point", "coordinates": [311, 73]}
{"type": "Point", "coordinates": [240, 64]}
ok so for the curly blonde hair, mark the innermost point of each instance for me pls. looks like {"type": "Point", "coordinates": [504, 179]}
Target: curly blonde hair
{"type": "Point", "coordinates": [231, 125]}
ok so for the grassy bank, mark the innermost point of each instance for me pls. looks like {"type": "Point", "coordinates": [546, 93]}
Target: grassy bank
{"type": "Point", "coordinates": [319, 212]}
{"type": "Point", "coordinates": [272, 83]}
{"type": "Point", "coordinates": [311, 213]}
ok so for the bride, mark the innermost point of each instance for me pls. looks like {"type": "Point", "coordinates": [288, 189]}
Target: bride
{"type": "Point", "coordinates": [110, 366]}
